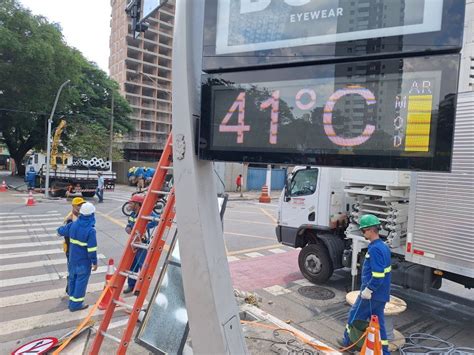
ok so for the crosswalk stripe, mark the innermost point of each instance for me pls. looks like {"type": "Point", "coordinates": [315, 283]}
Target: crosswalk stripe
{"type": "Point", "coordinates": [253, 255]}
{"type": "Point", "coordinates": [32, 216]}
{"type": "Point", "coordinates": [41, 278]}
{"type": "Point", "coordinates": [46, 320]}
{"type": "Point", "coordinates": [231, 259]}
{"type": "Point", "coordinates": [40, 263]}
{"type": "Point", "coordinates": [7, 223]}
{"type": "Point", "coordinates": [10, 231]}
{"type": "Point", "coordinates": [31, 253]}
{"type": "Point", "coordinates": [30, 245]}
{"type": "Point", "coordinates": [34, 225]}
{"type": "Point", "coordinates": [43, 295]}
{"type": "Point", "coordinates": [277, 251]}
{"type": "Point", "coordinates": [20, 237]}
{"type": "Point", "coordinates": [18, 213]}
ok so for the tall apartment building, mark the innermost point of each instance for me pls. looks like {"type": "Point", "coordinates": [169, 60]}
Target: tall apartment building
{"type": "Point", "coordinates": [142, 67]}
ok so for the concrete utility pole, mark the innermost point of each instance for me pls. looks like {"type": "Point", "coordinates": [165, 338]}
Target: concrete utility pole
{"type": "Point", "coordinates": [212, 311]}
{"type": "Point", "coordinates": [111, 130]}
{"type": "Point", "coordinates": [48, 151]}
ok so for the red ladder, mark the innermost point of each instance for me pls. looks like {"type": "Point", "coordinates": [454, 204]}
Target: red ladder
{"type": "Point", "coordinates": [155, 249]}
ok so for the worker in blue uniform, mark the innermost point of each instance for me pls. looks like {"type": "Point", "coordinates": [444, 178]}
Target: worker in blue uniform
{"type": "Point", "coordinates": [375, 283]}
{"type": "Point", "coordinates": [30, 178]}
{"type": "Point", "coordinates": [149, 172]}
{"type": "Point", "coordinates": [82, 254]}
{"type": "Point", "coordinates": [136, 203]}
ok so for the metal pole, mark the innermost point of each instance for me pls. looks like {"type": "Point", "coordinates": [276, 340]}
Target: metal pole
{"type": "Point", "coordinates": [111, 131]}
{"type": "Point", "coordinates": [48, 152]}
{"type": "Point", "coordinates": [213, 314]}
{"type": "Point", "coordinates": [269, 179]}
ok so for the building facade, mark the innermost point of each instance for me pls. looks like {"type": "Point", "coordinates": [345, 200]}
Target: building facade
{"type": "Point", "coordinates": [142, 67]}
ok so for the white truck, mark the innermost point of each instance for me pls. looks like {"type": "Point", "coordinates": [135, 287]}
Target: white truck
{"type": "Point", "coordinates": [426, 217]}
{"type": "Point", "coordinates": [64, 178]}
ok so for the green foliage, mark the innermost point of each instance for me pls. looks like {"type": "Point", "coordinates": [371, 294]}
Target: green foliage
{"type": "Point", "coordinates": [34, 62]}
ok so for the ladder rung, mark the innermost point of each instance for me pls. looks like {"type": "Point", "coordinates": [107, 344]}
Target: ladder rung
{"type": "Point", "coordinates": [160, 192]}
{"type": "Point", "coordinates": [166, 167]}
{"type": "Point", "coordinates": [141, 246]}
{"type": "Point", "coordinates": [123, 304]}
{"type": "Point", "coordinates": [132, 275]}
{"type": "Point", "coordinates": [151, 218]}
{"type": "Point", "coordinates": [111, 337]}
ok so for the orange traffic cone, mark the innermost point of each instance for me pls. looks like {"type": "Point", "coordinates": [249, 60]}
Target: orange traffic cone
{"type": "Point", "coordinates": [265, 197]}
{"type": "Point", "coordinates": [108, 296]}
{"type": "Point", "coordinates": [3, 187]}
{"type": "Point", "coordinates": [31, 200]}
{"type": "Point", "coordinates": [372, 344]}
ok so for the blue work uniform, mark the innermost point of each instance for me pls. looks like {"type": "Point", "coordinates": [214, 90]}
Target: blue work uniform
{"type": "Point", "coordinates": [141, 253]}
{"type": "Point", "coordinates": [376, 275]}
{"type": "Point", "coordinates": [30, 178]}
{"type": "Point", "coordinates": [82, 255]}
{"type": "Point", "coordinates": [149, 172]}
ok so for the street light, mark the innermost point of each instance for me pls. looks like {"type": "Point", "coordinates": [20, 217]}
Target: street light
{"type": "Point", "coordinates": [48, 153]}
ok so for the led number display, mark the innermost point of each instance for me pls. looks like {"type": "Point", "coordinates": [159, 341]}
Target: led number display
{"type": "Point", "coordinates": [395, 113]}
{"type": "Point", "coordinates": [246, 33]}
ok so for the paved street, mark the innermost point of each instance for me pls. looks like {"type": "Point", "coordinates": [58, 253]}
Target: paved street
{"type": "Point", "coordinates": [33, 271]}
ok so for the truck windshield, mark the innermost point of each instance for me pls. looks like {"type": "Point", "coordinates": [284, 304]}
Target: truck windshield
{"type": "Point", "coordinates": [304, 182]}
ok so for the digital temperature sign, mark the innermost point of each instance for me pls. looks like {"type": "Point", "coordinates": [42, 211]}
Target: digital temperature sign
{"type": "Point", "coordinates": [394, 113]}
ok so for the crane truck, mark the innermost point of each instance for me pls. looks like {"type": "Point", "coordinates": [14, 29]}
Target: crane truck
{"type": "Point", "coordinates": [64, 177]}
{"type": "Point", "coordinates": [426, 217]}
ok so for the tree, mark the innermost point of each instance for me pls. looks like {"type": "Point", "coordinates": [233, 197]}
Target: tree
{"type": "Point", "coordinates": [34, 61]}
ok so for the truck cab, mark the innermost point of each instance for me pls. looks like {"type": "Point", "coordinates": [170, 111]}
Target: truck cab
{"type": "Point", "coordinates": [313, 216]}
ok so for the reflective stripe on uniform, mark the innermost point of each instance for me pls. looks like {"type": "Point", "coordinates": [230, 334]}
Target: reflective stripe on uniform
{"type": "Point", "coordinates": [74, 299]}
{"type": "Point", "coordinates": [379, 275]}
{"type": "Point", "coordinates": [367, 256]}
{"type": "Point", "coordinates": [132, 219]}
{"type": "Point", "coordinates": [77, 242]}
{"type": "Point", "coordinates": [90, 250]}
{"type": "Point", "coordinates": [348, 328]}
{"type": "Point", "coordinates": [384, 342]}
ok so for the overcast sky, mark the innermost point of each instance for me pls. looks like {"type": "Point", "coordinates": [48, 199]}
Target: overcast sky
{"type": "Point", "coordinates": [85, 24]}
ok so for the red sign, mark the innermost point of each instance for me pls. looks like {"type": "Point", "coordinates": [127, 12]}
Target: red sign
{"type": "Point", "coordinates": [38, 346]}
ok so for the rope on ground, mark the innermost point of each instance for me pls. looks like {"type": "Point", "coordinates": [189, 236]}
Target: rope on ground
{"type": "Point", "coordinates": [417, 343]}
{"type": "Point", "coordinates": [84, 323]}
{"type": "Point", "coordinates": [315, 346]}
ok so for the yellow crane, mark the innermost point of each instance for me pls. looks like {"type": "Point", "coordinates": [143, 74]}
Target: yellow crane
{"type": "Point", "coordinates": [54, 146]}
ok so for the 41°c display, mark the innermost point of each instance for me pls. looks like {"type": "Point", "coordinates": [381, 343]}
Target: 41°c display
{"type": "Point", "coordinates": [394, 113]}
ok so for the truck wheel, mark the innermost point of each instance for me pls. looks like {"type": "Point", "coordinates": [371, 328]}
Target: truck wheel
{"type": "Point", "coordinates": [315, 264]}
{"type": "Point", "coordinates": [88, 193]}
{"type": "Point", "coordinates": [57, 190]}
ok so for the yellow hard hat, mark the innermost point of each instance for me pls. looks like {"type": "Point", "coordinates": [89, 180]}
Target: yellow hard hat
{"type": "Point", "coordinates": [76, 201]}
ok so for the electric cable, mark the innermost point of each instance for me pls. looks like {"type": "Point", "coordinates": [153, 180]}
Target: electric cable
{"type": "Point", "coordinates": [423, 343]}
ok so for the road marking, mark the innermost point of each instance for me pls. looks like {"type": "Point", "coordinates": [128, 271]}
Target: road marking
{"type": "Point", "coordinates": [31, 253]}
{"type": "Point", "coordinates": [249, 235]}
{"type": "Point", "coordinates": [30, 221]}
{"type": "Point", "coordinates": [41, 278]}
{"type": "Point", "coordinates": [237, 252]}
{"type": "Point", "coordinates": [50, 235]}
{"type": "Point", "coordinates": [43, 295]}
{"type": "Point", "coordinates": [29, 245]}
{"type": "Point", "coordinates": [8, 231]}
{"type": "Point", "coordinates": [36, 224]}
{"type": "Point", "coordinates": [303, 282]}
{"type": "Point", "coordinates": [246, 221]}
{"type": "Point", "coordinates": [34, 216]}
{"type": "Point", "coordinates": [269, 215]}
{"type": "Point", "coordinates": [277, 251]}
{"type": "Point", "coordinates": [240, 211]}
{"type": "Point", "coordinates": [41, 263]}
{"type": "Point", "coordinates": [232, 258]}
{"type": "Point", "coordinates": [112, 219]}
{"type": "Point", "coordinates": [277, 290]}
{"type": "Point", "coordinates": [253, 255]}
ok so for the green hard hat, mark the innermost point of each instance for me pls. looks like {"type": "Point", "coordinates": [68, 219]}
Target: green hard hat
{"type": "Point", "coordinates": [368, 220]}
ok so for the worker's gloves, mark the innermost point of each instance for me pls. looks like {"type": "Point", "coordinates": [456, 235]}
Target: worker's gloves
{"type": "Point", "coordinates": [366, 294]}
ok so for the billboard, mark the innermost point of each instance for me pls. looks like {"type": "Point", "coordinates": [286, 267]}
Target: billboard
{"type": "Point", "coordinates": [246, 33]}
{"type": "Point", "coordinates": [390, 113]}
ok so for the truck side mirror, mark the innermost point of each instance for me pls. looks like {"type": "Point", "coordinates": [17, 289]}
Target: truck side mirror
{"type": "Point", "coordinates": [287, 189]}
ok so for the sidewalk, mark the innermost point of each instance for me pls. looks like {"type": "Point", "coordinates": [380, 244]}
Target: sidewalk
{"type": "Point", "coordinates": [252, 195]}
